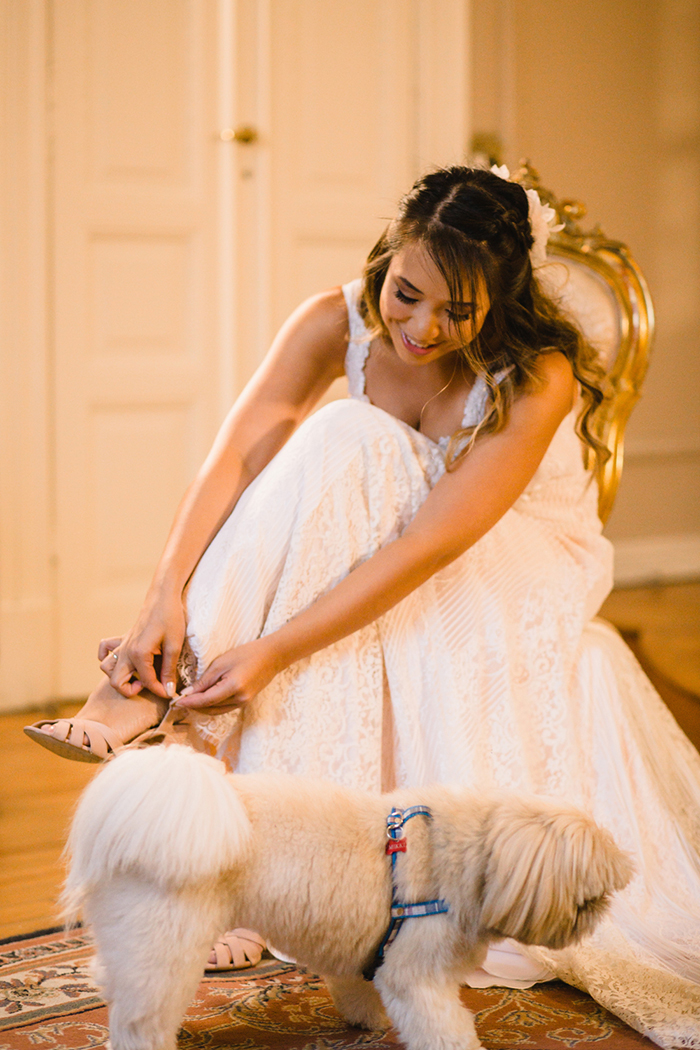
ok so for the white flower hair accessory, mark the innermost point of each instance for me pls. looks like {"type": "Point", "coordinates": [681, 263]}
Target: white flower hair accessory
{"type": "Point", "coordinates": [542, 219]}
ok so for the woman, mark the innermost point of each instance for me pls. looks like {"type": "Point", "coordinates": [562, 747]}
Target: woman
{"type": "Point", "coordinates": [401, 589]}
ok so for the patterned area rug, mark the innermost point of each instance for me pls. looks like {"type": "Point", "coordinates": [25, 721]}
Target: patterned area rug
{"type": "Point", "coordinates": [48, 1001]}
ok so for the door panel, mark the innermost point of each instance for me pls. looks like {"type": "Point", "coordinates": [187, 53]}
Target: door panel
{"type": "Point", "coordinates": [138, 82]}
{"type": "Point", "coordinates": [342, 133]}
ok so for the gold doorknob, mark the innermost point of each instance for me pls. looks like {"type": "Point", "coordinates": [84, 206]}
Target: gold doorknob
{"type": "Point", "coordinates": [244, 133]}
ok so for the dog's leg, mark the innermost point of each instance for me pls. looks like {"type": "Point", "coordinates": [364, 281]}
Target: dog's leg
{"type": "Point", "coordinates": [358, 1001]}
{"type": "Point", "coordinates": [419, 985]}
{"type": "Point", "coordinates": [428, 1015]}
{"type": "Point", "coordinates": [151, 950]}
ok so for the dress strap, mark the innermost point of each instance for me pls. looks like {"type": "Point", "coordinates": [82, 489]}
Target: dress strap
{"type": "Point", "coordinates": [358, 346]}
{"type": "Point", "coordinates": [475, 403]}
{"type": "Point", "coordinates": [477, 399]}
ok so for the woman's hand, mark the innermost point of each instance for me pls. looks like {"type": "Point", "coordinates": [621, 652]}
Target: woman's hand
{"type": "Point", "coordinates": [146, 657]}
{"type": "Point", "coordinates": [107, 654]}
{"type": "Point", "coordinates": [233, 678]}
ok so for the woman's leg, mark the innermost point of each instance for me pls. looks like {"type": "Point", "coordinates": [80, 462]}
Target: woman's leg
{"type": "Point", "coordinates": [346, 483]}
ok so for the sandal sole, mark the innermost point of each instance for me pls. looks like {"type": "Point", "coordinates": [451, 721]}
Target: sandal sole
{"type": "Point", "coordinates": [61, 747]}
{"type": "Point", "coordinates": [230, 969]}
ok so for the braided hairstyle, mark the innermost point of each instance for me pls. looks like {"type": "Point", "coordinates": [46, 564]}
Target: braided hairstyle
{"type": "Point", "coordinates": [476, 228]}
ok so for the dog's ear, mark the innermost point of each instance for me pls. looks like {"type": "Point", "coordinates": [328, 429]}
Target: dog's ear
{"type": "Point", "coordinates": [550, 872]}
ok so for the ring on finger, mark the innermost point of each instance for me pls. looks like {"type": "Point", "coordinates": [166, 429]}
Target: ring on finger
{"type": "Point", "coordinates": [115, 654]}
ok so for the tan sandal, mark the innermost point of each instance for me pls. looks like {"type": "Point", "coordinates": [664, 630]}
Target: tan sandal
{"type": "Point", "coordinates": [83, 740]}
{"type": "Point", "coordinates": [238, 949]}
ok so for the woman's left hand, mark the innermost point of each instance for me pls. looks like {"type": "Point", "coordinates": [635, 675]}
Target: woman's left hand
{"type": "Point", "coordinates": [232, 679]}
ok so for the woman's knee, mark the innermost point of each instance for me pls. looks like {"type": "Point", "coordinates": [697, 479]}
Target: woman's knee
{"type": "Point", "coordinates": [353, 422]}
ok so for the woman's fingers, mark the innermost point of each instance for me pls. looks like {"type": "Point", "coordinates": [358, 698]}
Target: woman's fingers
{"type": "Point", "coordinates": [208, 703]}
{"type": "Point", "coordinates": [129, 687]}
{"type": "Point", "coordinates": [168, 671]}
{"type": "Point", "coordinates": [215, 709]}
{"type": "Point", "coordinates": [107, 646]}
{"type": "Point", "coordinates": [142, 666]}
{"type": "Point", "coordinates": [119, 672]}
{"type": "Point", "coordinates": [232, 679]}
{"type": "Point", "coordinates": [215, 672]}
{"type": "Point", "coordinates": [108, 662]}
{"type": "Point", "coordinates": [215, 687]}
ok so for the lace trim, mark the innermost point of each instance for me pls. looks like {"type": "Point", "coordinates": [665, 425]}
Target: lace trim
{"type": "Point", "coordinates": [358, 347]}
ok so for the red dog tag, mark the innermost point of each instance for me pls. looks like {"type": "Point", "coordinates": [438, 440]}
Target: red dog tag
{"type": "Point", "coordinates": [396, 846]}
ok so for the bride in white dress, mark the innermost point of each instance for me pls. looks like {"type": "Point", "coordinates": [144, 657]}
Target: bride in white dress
{"type": "Point", "coordinates": [402, 589]}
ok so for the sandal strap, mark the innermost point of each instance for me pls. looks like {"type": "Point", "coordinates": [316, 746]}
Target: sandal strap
{"type": "Point", "coordinates": [231, 951]}
{"type": "Point", "coordinates": [248, 935]}
{"type": "Point", "coordinates": [108, 735]}
{"type": "Point", "coordinates": [101, 739]}
{"type": "Point", "coordinates": [173, 728]}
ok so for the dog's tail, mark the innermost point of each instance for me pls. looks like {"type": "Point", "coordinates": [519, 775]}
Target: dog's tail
{"type": "Point", "coordinates": [169, 814]}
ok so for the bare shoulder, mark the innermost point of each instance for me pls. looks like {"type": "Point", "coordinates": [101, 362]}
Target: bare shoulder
{"type": "Point", "coordinates": [555, 390]}
{"type": "Point", "coordinates": [306, 355]}
{"type": "Point", "coordinates": [537, 412]}
{"type": "Point", "coordinates": [557, 375]}
{"type": "Point", "coordinates": [321, 321]}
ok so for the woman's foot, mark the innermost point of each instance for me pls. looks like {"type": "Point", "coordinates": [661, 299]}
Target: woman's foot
{"type": "Point", "coordinates": [238, 949]}
{"type": "Point", "coordinates": [106, 722]}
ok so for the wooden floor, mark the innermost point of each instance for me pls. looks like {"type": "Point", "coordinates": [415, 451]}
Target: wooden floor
{"type": "Point", "coordinates": [38, 790]}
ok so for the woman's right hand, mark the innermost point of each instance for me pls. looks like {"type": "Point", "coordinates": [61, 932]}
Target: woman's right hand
{"type": "Point", "coordinates": [146, 657]}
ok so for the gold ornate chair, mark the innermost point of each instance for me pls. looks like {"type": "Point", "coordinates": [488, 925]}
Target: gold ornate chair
{"type": "Point", "coordinates": [597, 282]}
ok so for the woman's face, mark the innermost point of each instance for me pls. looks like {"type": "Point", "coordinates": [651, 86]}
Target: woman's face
{"type": "Point", "coordinates": [416, 307]}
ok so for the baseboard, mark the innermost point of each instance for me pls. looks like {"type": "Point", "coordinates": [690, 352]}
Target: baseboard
{"type": "Point", "coordinates": [656, 559]}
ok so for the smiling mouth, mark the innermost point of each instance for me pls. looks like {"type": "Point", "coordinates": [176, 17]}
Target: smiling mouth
{"type": "Point", "coordinates": [416, 347]}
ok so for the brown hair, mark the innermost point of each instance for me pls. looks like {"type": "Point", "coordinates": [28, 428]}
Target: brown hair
{"type": "Point", "coordinates": [474, 223]}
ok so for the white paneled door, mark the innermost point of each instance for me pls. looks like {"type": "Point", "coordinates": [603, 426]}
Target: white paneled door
{"type": "Point", "coordinates": [134, 298]}
{"type": "Point", "coordinates": [213, 164]}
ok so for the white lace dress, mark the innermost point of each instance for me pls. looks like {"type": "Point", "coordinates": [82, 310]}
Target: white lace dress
{"type": "Point", "coordinates": [492, 673]}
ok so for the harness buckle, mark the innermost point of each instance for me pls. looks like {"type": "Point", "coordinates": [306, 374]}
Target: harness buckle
{"type": "Point", "coordinates": [394, 822]}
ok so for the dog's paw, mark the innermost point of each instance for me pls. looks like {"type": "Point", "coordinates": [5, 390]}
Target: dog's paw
{"type": "Point", "coordinates": [371, 1016]}
{"type": "Point", "coordinates": [358, 1003]}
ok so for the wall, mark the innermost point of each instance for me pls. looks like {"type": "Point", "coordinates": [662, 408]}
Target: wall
{"type": "Point", "coordinates": [604, 100]}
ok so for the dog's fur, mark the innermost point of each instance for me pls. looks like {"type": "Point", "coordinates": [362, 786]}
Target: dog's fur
{"type": "Point", "coordinates": [168, 851]}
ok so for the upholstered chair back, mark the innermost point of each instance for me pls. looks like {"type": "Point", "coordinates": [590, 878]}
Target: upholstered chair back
{"type": "Point", "coordinates": [599, 285]}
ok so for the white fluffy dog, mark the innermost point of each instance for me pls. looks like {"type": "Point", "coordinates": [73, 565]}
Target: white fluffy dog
{"type": "Point", "coordinates": [168, 850]}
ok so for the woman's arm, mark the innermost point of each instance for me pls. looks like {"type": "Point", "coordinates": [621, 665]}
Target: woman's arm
{"type": "Point", "coordinates": [464, 505]}
{"type": "Point", "coordinates": [306, 356]}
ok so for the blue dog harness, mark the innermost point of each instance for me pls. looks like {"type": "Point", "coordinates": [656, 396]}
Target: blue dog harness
{"type": "Point", "coordinates": [401, 911]}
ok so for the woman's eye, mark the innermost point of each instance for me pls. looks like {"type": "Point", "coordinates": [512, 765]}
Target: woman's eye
{"type": "Point", "coordinates": [402, 297]}
{"type": "Point", "coordinates": [459, 318]}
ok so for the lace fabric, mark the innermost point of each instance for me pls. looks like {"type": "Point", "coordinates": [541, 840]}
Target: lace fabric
{"type": "Point", "coordinates": [493, 673]}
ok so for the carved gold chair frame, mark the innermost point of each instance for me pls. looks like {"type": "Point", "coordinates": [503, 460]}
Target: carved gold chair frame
{"type": "Point", "coordinates": [623, 339]}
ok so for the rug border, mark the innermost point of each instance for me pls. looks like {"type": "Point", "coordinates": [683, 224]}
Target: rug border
{"type": "Point", "coordinates": [37, 933]}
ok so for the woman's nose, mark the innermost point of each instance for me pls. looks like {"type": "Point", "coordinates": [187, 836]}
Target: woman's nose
{"type": "Point", "coordinates": [426, 327]}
